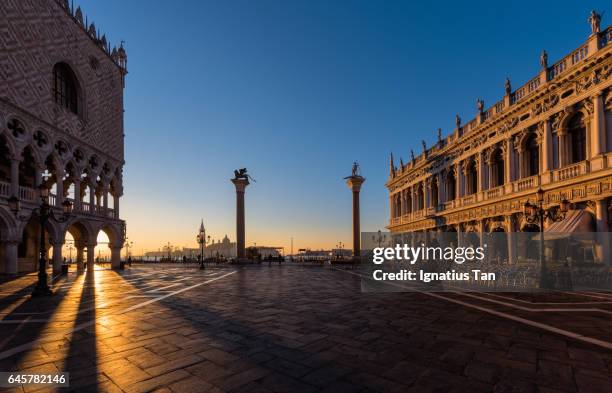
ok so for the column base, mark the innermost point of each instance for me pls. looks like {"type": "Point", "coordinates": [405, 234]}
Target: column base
{"type": "Point", "coordinates": [598, 162]}
{"type": "Point", "coordinates": [42, 291]}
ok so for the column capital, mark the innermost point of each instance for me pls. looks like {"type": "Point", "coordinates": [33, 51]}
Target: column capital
{"type": "Point", "coordinates": [240, 184]}
{"type": "Point", "coordinates": [355, 182]}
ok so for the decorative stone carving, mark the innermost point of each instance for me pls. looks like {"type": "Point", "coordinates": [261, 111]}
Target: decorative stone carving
{"type": "Point", "coordinates": [544, 60]}
{"type": "Point", "coordinates": [595, 21]}
{"type": "Point", "coordinates": [588, 105]}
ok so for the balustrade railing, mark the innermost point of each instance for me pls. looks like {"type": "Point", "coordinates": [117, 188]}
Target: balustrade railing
{"type": "Point", "coordinates": [27, 193]}
{"type": "Point", "coordinates": [571, 171]}
{"type": "Point", "coordinates": [468, 200]}
{"type": "Point", "coordinates": [494, 192]}
{"type": "Point", "coordinates": [526, 183]}
{"type": "Point", "coordinates": [533, 84]}
{"type": "Point", "coordinates": [580, 54]}
{"type": "Point", "coordinates": [5, 189]}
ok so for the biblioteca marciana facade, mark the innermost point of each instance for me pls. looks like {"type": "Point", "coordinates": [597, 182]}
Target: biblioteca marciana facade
{"type": "Point", "coordinates": [552, 134]}
{"type": "Point", "coordinates": [61, 134]}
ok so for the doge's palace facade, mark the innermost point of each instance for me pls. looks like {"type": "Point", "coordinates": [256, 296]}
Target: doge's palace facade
{"type": "Point", "coordinates": [61, 126]}
{"type": "Point", "coordinates": [553, 133]}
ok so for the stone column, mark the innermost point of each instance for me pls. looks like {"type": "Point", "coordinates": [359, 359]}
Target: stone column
{"type": "Point", "coordinates": [92, 199]}
{"type": "Point", "coordinates": [441, 189]}
{"type": "Point", "coordinates": [91, 255]}
{"type": "Point", "coordinates": [105, 200]}
{"type": "Point", "coordinates": [240, 185]}
{"type": "Point", "coordinates": [481, 171]}
{"type": "Point", "coordinates": [459, 235]}
{"type": "Point", "coordinates": [115, 256]}
{"type": "Point", "coordinates": [563, 148]}
{"type": "Point", "coordinates": [57, 257]}
{"type": "Point", "coordinates": [521, 163]}
{"type": "Point", "coordinates": [15, 177]}
{"type": "Point", "coordinates": [10, 254]}
{"type": "Point", "coordinates": [77, 193]}
{"type": "Point", "coordinates": [116, 205]}
{"type": "Point", "coordinates": [482, 234]}
{"type": "Point", "coordinates": [354, 182]}
{"type": "Point", "coordinates": [459, 173]}
{"type": "Point", "coordinates": [509, 160]}
{"type": "Point", "coordinates": [79, 257]}
{"type": "Point", "coordinates": [603, 236]}
{"type": "Point", "coordinates": [59, 184]}
{"type": "Point", "coordinates": [546, 147]}
{"type": "Point", "coordinates": [511, 220]}
{"type": "Point", "coordinates": [414, 198]}
{"type": "Point", "coordinates": [38, 170]}
{"type": "Point", "coordinates": [598, 133]}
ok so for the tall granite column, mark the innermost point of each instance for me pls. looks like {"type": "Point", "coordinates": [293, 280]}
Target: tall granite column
{"type": "Point", "coordinates": [354, 182]}
{"type": "Point", "coordinates": [240, 184]}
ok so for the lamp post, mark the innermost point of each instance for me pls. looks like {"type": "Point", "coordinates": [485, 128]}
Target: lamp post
{"type": "Point", "coordinates": [201, 238]}
{"type": "Point", "coordinates": [379, 238]}
{"type": "Point", "coordinates": [70, 248]}
{"type": "Point", "coordinates": [44, 213]}
{"type": "Point", "coordinates": [128, 244]}
{"type": "Point", "coordinates": [536, 213]}
{"type": "Point", "coordinates": [169, 248]}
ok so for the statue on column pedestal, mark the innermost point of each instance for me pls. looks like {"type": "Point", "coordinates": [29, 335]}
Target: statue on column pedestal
{"type": "Point", "coordinates": [242, 174]}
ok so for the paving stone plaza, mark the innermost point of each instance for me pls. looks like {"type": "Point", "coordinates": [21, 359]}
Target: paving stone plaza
{"type": "Point", "coordinates": [292, 328]}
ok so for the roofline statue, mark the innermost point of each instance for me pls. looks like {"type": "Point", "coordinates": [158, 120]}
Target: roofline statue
{"type": "Point", "coordinates": [595, 21]}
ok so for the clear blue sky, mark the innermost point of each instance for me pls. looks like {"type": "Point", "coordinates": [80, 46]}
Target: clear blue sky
{"type": "Point", "coordinates": [297, 90]}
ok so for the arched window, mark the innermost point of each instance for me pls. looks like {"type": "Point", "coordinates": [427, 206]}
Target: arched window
{"type": "Point", "coordinates": [65, 87]}
{"type": "Point", "coordinates": [497, 168]}
{"type": "Point", "coordinates": [577, 134]}
{"type": "Point", "coordinates": [434, 193]}
{"type": "Point", "coordinates": [532, 156]}
{"type": "Point", "coordinates": [451, 183]}
{"type": "Point", "coordinates": [472, 179]}
{"type": "Point", "coordinates": [398, 200]}
{"type": "Point", "coordinates": [5, 162]}
{"type": "Point", "coordinates": [409, 201]}
{"type": "Point", "coordinates": [420, 197]}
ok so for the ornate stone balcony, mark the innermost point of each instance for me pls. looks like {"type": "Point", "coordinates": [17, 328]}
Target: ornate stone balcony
{"type": "Point", "coordinates": [526, 183]}
{"type": "Point", "coordinates": [494, 192]}
{"type": "Point", "coordinates": [571, 171]}
{"type": "Point", "coordinates": [468, 200]}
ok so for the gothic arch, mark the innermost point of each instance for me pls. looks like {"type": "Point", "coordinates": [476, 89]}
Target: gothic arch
{"type": "Point", "coordinates": [114, 233]}
{"type": "Point", "coordinates": [66, 71]}
{"type": "Point", "coordinates": [8, 225]}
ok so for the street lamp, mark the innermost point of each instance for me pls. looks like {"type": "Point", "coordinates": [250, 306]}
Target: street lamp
{"type": "Point", "coordinates": [535, 213]}
{"type": "Point", "coordinates": [201, 238]}
{"type": "Point", "coordinates": [169, 248]}
{"type": "Point", "coordinates": [380, 238]}
{"type": "Point", "coordinates": [70, 248]}
{"type": "Point", "coordinates": [44, 213]}
{"type": "Point", "coordinates": [128, 244]}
